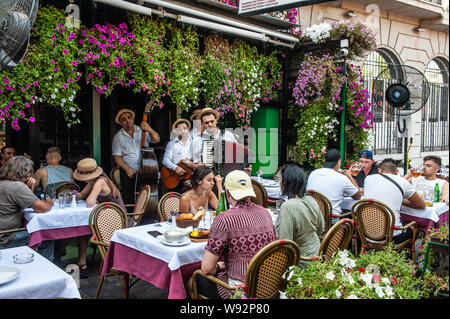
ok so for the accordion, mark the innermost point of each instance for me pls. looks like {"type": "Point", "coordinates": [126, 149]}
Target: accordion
{"type": "Point", "coordinates": [225, 156]}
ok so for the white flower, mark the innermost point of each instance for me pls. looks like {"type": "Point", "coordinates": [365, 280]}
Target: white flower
{"type": "Point", "coordinates": [385, 280]}
{"type": "Point", "coordinates": [53, 96]}
{"type": "Point", "coordinates": [300, 281]}
{"type": "Point", "coordinates": [379, 291]}
{"type": "Point", "coordinates": [283, 295]}
{"type": "Point", "coordinates": [330, 275]}
{"type": "Point", "coordinates": [338, 293]}
{"type": "Point", "coordinates": [352, 296]}
{"type": "Point", "coordinates": [63, 100]}
{"type": "Point", "coordinates": [367, 278]}
{"type": "Point", "coordinates": [55, 89]}
{"type": "Point", "coordinates": [388, 291]}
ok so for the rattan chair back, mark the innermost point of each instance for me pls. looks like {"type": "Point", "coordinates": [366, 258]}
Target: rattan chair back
{"type": "Point", "coordinates": [265, 271]}
{"type": "Point", "coordinates": [375, 221]}
{"type": "Point", "coordinates": [169, 202]}
{"type": "Point", "coordinates": [324, 204]}
{"type": "Point", "coordinates": [104, 219]}
{"type": "Point", "coordinates": [66, 187]}
{"type": "Point", "coordinates": [261, 194]}
{"type": "Point", "coordinates": [141, 204]}
{"type": "Point", "coordinates": [337, 238]}
{"type": "Point", "coordinates": [115, 177]}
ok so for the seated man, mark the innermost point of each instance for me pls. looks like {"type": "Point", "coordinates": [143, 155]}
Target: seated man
{"type": "Point", "coordinates": [368, 167]}
{"type": "Point", "coordinates": [426, 183]}
{"type": "Point", "coordinates": [16, 183]}
{"type": "Point", "coordinates": [237, 234]}
{"type": "Point", "coordinates": [6, 153]}
{"type": "Point", "coordinates": [53, 174]}
{"type": "Point", "coordinates": [334, 185]}
{"type": "Point", "coordinates": [393, 190]}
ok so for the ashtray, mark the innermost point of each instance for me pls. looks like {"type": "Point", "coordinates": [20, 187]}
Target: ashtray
{"type": "Point", "coordinates": [24, 258]}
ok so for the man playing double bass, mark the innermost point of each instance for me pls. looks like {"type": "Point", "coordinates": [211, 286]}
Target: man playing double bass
{"type": "Point", "coordinates": [126, 150]}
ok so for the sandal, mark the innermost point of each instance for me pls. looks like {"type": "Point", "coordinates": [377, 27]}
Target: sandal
{"type": "Point", "coordinates": [83, 271]}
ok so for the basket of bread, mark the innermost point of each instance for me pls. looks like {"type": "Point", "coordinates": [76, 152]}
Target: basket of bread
{"type": "Point", "coordinates": [188, 219]}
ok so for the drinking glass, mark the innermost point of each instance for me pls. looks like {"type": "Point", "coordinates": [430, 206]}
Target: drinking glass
{"type": "Point", "coordinates": [62, 200]}
{"type": "Point", "coordinates": [53, 193]}
{"type": "Point", "coordinates": [417, 171]}
{"type": "Point", "coordinates": [355, 169]}
{"type": "Point", "coordinates": [68, 196]}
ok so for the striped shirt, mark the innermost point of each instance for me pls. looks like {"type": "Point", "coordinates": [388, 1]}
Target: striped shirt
{"type": "Point", "coordinates": [238, 234]}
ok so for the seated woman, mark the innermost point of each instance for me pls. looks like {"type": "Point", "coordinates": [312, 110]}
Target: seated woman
{"type": "Point", "coordinates": [300, 218]}
{"type": "Point", "coordinates": [237, 234]}
{"type": "Point", "coordinates": [99, 188]}
{"type": "Point", "coordinates": [201, 196]}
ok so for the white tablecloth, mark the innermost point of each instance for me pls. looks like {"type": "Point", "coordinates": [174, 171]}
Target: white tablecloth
{"type": "Point", "coordinates": [272, 187]}
{"type": "Point", "coordinates": [432, 213]}
{"type": "Point", "coordinates": [38, 279]}
{"type": "Point", "coordinates": [138, 238]}
{"type": "Point", "coordinates": [58, 217]}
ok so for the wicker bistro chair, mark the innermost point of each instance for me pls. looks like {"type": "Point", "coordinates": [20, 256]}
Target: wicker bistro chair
{"type": "Point", "coordinates": [140, 206]}
{"type": "Point", "coordinates": [261, 194]}
{"type": "Point", "coordinates": [66, 187]}
{"type": "Point", "coordinates": [264, 276]}
{"type": "Point", "coordinates": [104, 219]}
{"type": "Point", "coordinates": [375, 222]}
{"type": "Point", "coordinates": [336, 238]}
{"type": "Point", "coordinates": [325, 207]}
{"type": "Point", "coordinates": [115, 177]}
{"type": "Point", "coordinates": [169, 202]}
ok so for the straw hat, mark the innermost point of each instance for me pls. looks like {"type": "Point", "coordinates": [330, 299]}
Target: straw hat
{"type": "Point", "coordinates": [195, 113]}
{"type": "Point", "coordinates": [208, 110]}
{"type": "Point", "coordinates": [87, 169]}
{"type": "Point", "coordinates": [123, 111]}
{"type": "Point", "coordinates": [174, 125]}
{"type": "Point", "coordinates": [239, 184]}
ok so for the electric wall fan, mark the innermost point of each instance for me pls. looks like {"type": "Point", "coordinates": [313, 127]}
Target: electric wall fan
{"type": "Point", "coordinates": [16, 20]}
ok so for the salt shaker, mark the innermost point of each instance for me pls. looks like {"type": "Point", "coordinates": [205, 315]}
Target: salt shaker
{"type": "Point", "coordinates": [74, 201]}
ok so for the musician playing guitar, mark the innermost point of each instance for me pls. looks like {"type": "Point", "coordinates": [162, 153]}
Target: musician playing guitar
{"type": "Point", "coordinates": [126, 150]}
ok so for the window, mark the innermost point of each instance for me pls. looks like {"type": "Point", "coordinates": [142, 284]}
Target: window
{"type": "Point", "coordinates": [385, 130]}
{"type": "Point", "coordinates": [434, 135]}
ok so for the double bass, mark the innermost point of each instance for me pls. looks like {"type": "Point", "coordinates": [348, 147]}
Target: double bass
{"type": "Point", "coordinates": [148, 170]}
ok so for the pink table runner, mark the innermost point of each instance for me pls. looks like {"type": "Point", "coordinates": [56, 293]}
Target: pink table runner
{"type": "Point", "coordinates": [149, 268]}
{"type": "Point", "coordinates": [38, 237]}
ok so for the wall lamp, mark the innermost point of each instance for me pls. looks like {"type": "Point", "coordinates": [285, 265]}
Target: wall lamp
{"type": "Point", "coordinates": [349, 14]}
{"type": "Point", "coordinates": [418, 29]}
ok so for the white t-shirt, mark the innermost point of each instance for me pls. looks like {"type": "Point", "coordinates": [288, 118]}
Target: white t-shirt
{"type": "Point", "coordinates": [197, 143]}
{"type": "Point", "coordinates": [381, 189]}
{"type": "Point", "coordinates": [424, 186]}
{"type": "Point", "coordinates": [177, 151]}
{"type": "Point", "coordinates": [333, 185]}
{"type": "Point", "coordinates": [130, 147]}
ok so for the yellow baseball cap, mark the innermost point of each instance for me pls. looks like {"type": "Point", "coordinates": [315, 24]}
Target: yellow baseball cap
{"type": "Point", "coordinates": [239, 184]}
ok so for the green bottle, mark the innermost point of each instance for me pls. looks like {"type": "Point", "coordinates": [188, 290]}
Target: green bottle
{"type": "Point", "coordinates": [436, 193]}
{"type": "Point", "coordinates": [222, 206]}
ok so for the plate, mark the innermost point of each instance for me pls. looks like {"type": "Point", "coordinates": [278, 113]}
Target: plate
{"type": "Point", "coordinates": [199, 237]}
{"type": "Point", "coordinates": [8, 273]}
{"type": "Point", "coordinates": [173, 244]}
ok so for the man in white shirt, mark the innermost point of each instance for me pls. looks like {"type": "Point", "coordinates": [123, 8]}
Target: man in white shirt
{"type": "Point", "coordinates": [394, 191]}
{"type": "Point", "coordinates": [179, 149]}
{"type": "Point", "coordinates": [126, 150]}
{"type": "Point", "coordinates": [426, 183]}
{"type": "Point", "coordinates": [209, 118]}
{"type": "Point", "coordinates": [333, 184]}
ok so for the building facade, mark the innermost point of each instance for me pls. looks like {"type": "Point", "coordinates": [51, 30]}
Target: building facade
{"type": "Point", "coordinates": [408, 32]}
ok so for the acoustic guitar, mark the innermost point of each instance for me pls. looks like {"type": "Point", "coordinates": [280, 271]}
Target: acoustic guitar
{"type": "Point", "coordinates": [171, 179]}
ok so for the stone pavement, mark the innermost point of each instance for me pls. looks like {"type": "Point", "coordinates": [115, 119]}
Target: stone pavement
{"type": "Point", "coordinates": [112, 285]}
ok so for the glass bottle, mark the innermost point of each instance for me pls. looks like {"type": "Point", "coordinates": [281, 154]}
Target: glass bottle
{"type": "Point", "coordinates": [436, 193]}
{"type": "Point", "coordinates": [222, 206]}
